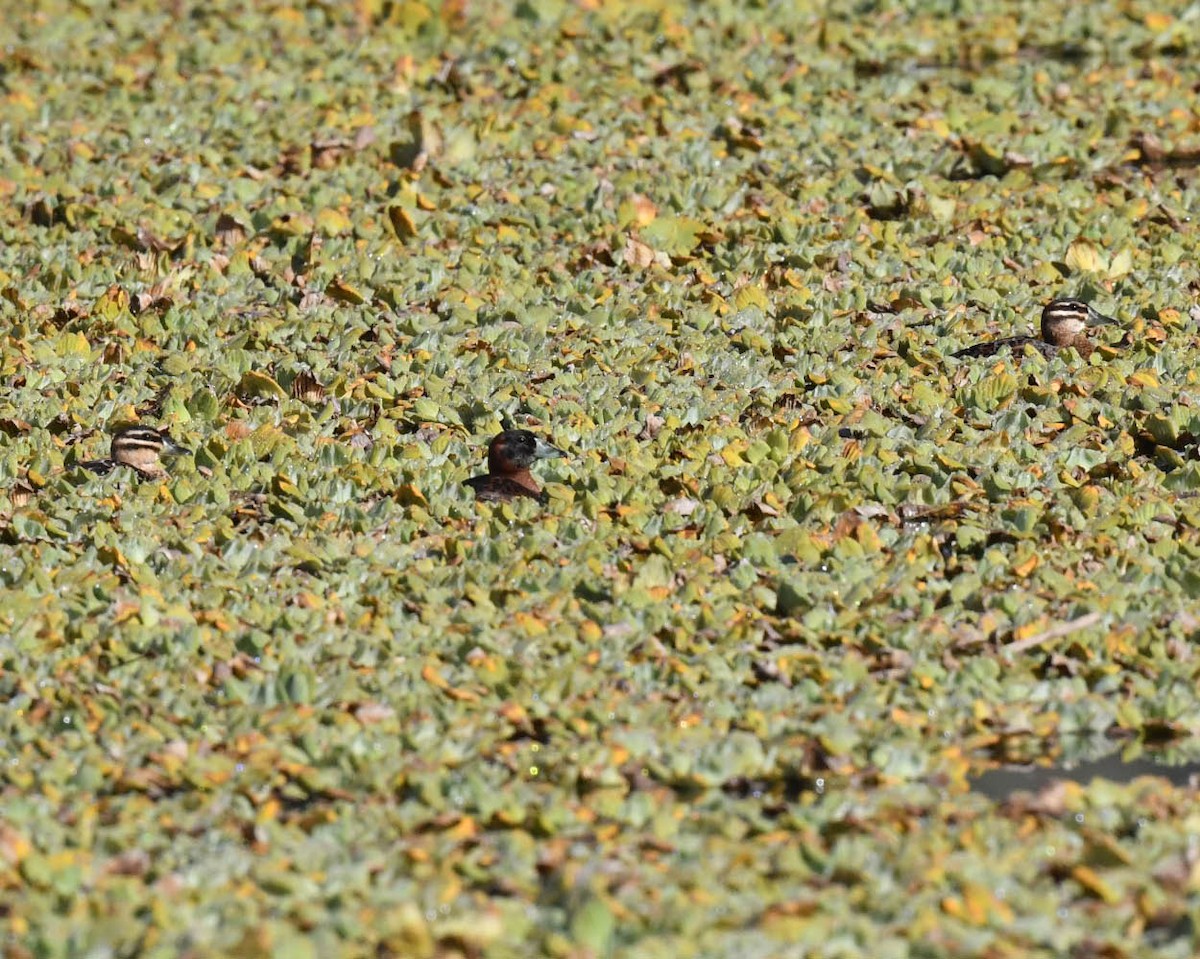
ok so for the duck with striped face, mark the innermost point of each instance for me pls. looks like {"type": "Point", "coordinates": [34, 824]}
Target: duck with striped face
{"type": "Point", "coordinates": [1065, 323]}
{"type": "Point", "coordinates": [140, 448]}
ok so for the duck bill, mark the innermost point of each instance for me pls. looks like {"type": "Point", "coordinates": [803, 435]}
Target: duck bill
{"type": "Point", "coordinates": [544, 451]}
{"type": "Point", "coordinates": [1096, 318]}
{"type": "Point", "coordinates": [171, 448]}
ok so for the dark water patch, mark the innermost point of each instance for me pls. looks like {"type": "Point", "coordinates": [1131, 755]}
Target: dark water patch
{"type": "Point", "coordinates": [1001, 784]}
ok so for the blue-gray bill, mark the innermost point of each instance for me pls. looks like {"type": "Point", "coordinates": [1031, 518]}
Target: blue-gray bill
{"type": "Point", "coordinates": [544, 451]}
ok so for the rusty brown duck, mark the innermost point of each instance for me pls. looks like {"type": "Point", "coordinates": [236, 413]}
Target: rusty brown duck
{"type": "Point", "coordinates": [510, 456]}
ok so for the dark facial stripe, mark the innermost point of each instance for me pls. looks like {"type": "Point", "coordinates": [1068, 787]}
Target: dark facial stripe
{"type": "Point", "coordinates": [1068, 309]}
{"type": "Point", "coordinates": [140, 441]}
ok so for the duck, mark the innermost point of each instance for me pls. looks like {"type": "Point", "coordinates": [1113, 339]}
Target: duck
{"type": "Point", "coordinates": [510, 456]}
{"type": "Point", "coordinates": [1065, 322]}
{"type": "Point", "coordinates": [139, 448]}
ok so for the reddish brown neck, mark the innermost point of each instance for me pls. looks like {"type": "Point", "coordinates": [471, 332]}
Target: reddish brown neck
{"type": "Point", "coordinates": [523, 478]}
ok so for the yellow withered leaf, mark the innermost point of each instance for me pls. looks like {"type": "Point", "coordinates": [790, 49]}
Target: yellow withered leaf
{"type": "Point", "coordinates": [255, 383]}
{"type": "Point", "coordinates": [977, 901]}
{"type": "Point", "coordinates": [1086, 498]}
{"type": "Point", "coordinates": [732, 455]}
{"type": "Point", "coordinates": [1121, 265]}
{"type": "Point", "coordinates": [1083, 255]}
{"type": "Point", "coordinates": [532, 625]}
{"type": "Point", "coordinates": [111, 303]}
{"type": "Point", "coordinates": [112, 556]}
{"type": "Point", "coordinates": [332, 222]}
{"type": "Point", "coordinates": [341, 291]}
{"type": "Point", "coordinates": [749, 296]}
{"type": "Point", "coordinates": [282, 486]}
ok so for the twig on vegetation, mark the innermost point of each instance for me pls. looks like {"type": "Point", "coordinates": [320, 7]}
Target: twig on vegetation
{"type": "Point", "coordinates": [1055, 632]}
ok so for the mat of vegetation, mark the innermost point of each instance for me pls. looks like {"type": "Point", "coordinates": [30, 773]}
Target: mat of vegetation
{"type": "Point", "coordinates": [802, 576]}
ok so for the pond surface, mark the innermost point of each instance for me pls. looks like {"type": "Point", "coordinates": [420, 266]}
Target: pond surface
{"type": "Point", "coordinates": [1000, 784]}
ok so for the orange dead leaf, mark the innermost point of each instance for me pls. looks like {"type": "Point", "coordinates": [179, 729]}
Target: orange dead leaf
{"type": "Point", "coordinates": [410, 495]}
{"type": "Point", "coordinates": [402, 223]}
{"type": "Point", "coordinates": [644, 210]}
{"type": "Point", "coordinates": [1094, 884]}
{"type": "Point", "coordinates": [514, 713]}
{"type": "Point", "coordinates": [430, 674]}
{"type": "Point", "coordinates": [465, 828]}
{"type": "Point", "coordinates": [532, 625]}
{"type": "Point", "coordinates": [13, 846]}
{"type": "Point", "coordinates": [1024, 569]}
{"type": "Point", "coordinates": [341, 291]}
